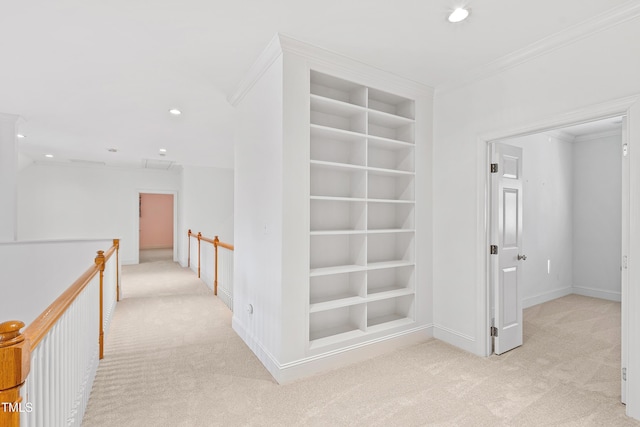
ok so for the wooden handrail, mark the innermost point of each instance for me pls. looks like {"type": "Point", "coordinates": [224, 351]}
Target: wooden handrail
{"type": "Point", "coordinates": [216, 243]}
{"type": "Point", "coordinates": [16, 347]}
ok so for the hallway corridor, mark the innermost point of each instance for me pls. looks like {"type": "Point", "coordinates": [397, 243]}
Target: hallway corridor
{"type": "Point", "coordinates": [169, 354]}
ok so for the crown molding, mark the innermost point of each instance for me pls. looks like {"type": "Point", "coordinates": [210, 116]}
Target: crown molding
{"type": "Point", "coordinates": [318, 57]}
{"type": "Point", "coordinates": [357, 70]}
{"type": "Point", "coordinates": [570, 35]}
{"type": "Point", "coordinates": [259, 67]}
{"type": "Point", "coordinates": [13, 118]}
{"type": "Point", "coordinates": [598, 135]}
{"type": "Point", "coordinates": [561, 135]}
{"type": "Point", "coordinates": [616, 107]}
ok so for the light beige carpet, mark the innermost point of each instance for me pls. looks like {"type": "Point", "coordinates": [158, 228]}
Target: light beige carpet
{"type": "Point", "coordinates": [172, 359]}
{"type": "Point", "coordinates": [153, 255]}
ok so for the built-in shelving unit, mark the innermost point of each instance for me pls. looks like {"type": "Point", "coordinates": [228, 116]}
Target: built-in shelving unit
{"type": "Point", "coordinates": [362, 210]}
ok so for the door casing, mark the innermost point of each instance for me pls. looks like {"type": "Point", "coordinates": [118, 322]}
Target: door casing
{"type": "Point", "coordinates": [630, 108]}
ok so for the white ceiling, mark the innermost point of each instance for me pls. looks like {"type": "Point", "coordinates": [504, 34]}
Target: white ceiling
{"type": "Point", "coordinates": [88, 75]}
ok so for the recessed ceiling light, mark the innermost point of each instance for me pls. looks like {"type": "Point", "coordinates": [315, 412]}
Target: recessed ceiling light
{"type": "Point", "coordinates": [48, 156]}
{"type": "Point", "coordinates": [175, 111]}
{"type": "Point", "coordinates": [460, 14]}
{"type": "Point", "coordinates": [163, 150]}
{"type": "Point", "coordinates": [21, 136]}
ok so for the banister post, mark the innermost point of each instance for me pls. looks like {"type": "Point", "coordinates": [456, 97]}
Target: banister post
{"type": "Point", "coordinates": [199, 237]}
{"type": "Point", "coordinates": [215, 277]}
{"type": "Point", "coordinates": [14, 368]}
{"type": "Point", "coordinates": [189, 248]}
{"type": "Point", "coordinates": [116, 243]}
{"type": "Point", "coordinates": [100, 263]}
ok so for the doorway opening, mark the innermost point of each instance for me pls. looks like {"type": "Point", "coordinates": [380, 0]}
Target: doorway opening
{"type": "Point", "coordinates": [570, 261]}
{"type": "Point", "coordinates": [156, 227]}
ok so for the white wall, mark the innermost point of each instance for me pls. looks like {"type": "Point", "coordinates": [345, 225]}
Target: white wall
{"type": "Point", "coordinates": [8, 177]}
{"type": "Point", "coordinates": [546, 89]}
{"type": "Point", "coordinates": [597, 216]}
{"type": "Point", "coordinates": [60, 201]}
{"type": "Point", "coordinates": [547, 217]}
{"type": "Point", "coordinates": [206, 206]}
{"type": "Point", "coordinates": [34, 274]}
{"type": "Point", "coordinates": [258, 216]}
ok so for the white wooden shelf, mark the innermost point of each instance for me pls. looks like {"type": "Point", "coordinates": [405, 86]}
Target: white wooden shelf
{"type": "Point", "coordinates": [333, 335]}
{"type": "Point", "coordinates": [339, 199]}
{"type": "Point", "coordinates": [362, 203]}
{"type": "Point", "coordinates": [390, 230]}
{"type": "Point", "coordinates": [389, 172]}
{"type": "Point", "coordinates": [339, 301]}
{"type": "Point", "coordinates": [388, 120]}
{"type": "Point", "coordinates": [341, 134]}
{"type": "Point", "coordinates": [388, 143]}
{"type": "Point", "coordinates": [336, 232]}
{"type": "Point", "coordinates": [336, 166]}
{"type": "Point", "coordinates": [410, 202]}
{"type": "Point", "coordinates": [389, 264]}
{"type": "Point", "coordinates": [338, 269]}
{"type": "Point", "coordinates": [335, 107]}
{"type": "Point", "coordinates": [387, 322]}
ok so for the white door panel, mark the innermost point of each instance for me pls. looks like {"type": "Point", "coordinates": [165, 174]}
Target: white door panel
{"type": "Point", "coordinates": [506, 221]}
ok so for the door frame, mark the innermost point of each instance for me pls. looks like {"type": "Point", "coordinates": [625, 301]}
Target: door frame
{"type": "Point", "coordinates": [630, 335]}
{"type": "Point", "coordinates": [137, 221]}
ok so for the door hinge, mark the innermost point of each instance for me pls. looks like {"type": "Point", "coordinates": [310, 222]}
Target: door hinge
{"type": "Point", "coordinates": [624, 374]}
{"type": "Point", "coordinates": [494, 249]}
{"type": "Point", "coordinates": [494, 168]}
{"type": "Point", "coordinates": [494, 331]}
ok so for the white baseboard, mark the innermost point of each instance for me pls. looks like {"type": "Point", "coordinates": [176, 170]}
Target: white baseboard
{"type": "Point", "coordinates": [457, 339]}
{"type": "Point", "coordinates": [546, 296]}
{"type": "Point", "coordinates": [287, 372]}
{"type": "Point", "coordinates": [597, 293]}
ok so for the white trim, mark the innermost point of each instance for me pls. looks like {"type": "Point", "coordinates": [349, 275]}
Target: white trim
{"type": "Point", "coordinates": [599, 135]}
{"type": "Point", "coordinates": [546, 296]}
{"type": "Point", "coordinates": [259, 67]}
{"type": "Point", "coordinates": [561, 135]}
{"type": "Point", "coordinates": [12, 118]}
{"type": "Point", "coordinates": [265, 357]}
{"type": "Point", "coordinates": [577, 32]}
{"type": "Point", "coordinates": [320, 58]}
{"type": "Point", "coordinates": [463, 341]}
{"type": "Point", "coordinates": [297, 369]}
{"type": "Point", "coordinates": [597, 293]}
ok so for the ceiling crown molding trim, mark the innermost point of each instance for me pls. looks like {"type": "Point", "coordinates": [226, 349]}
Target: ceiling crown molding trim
{"type": "Point", "coordinates": [355, 69]}
{"type": "Point", "coordinates": [327, 60]}
{"type": "Point", "coordinates": [259, 67]}
{"type": "Point", "coordinates": [577, 32]}
{"type": "Point", "coordinates": [12, 118]}
{"type": "Point", "coordinates": [561, 135]}
{"type": "Point", "coordinates": [616, 107]}
{"type": "Point", "coordinates": [599, 135]}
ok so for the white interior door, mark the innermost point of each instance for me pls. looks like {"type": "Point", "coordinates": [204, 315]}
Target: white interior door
{"type": "Point", "coordinates": [506, 232]}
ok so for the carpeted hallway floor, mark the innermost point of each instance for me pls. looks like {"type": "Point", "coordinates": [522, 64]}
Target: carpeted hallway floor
{"type": "Point", "coordinates": [171, 359]}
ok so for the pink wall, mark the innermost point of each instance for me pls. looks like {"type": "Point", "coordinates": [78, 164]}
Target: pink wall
{"type": "Point", "coordinates": [156, 221]}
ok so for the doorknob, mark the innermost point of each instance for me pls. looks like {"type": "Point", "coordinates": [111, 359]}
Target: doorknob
{"type": "Point", "coordinates": [522, 257]}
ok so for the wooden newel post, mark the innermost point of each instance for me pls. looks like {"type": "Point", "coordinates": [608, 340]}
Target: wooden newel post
{"type": "Point", "coordinates": [215, 277]}
{"type": "Point", "coordinates": [14, 368]}
{"type": "Point", "coordinates": [199, 237]}
{"type": "Point", "coordinates": [100, 263]}
{"type": "Point", "coordinates": [116, 243]}
{"type": "Point", "coordinates": [189, 248]}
